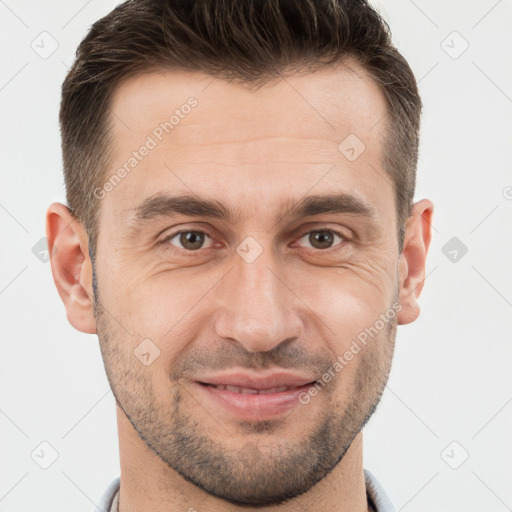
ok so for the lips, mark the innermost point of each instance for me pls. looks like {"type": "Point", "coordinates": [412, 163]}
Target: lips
{"type": "Point", "coordinates": [258, 382]}
{"type": "Point", "coordinates": [255, 397]}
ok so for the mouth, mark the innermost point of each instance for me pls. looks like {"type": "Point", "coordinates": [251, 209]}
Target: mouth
{"type": "Point", "coordinates": [253, 391]}
{"type": "Point", "coordinates": [258, 400]}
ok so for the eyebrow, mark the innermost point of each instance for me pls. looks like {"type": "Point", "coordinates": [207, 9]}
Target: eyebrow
{"type": "Point", "coordinates": [163, 205]}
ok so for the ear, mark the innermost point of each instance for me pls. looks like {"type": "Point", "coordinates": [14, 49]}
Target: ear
{"type": "Point", "coordinates": [412, 260]}
{"type": "Point", "coordinates": [71, 266]}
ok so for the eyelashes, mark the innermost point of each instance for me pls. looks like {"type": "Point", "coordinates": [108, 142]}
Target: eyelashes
{"type": "Point", "coordinates": [205, 234]}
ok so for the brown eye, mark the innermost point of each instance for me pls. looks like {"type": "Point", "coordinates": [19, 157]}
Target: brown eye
{"type": "Point", "coordinates": [323, 239]}
{"type": "Point", "coordinates": [188, 240]}
{"type": "Point", "coordinates": [192, 240]}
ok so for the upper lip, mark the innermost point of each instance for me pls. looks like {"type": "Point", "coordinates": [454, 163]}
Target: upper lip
{"type": "Point", "coordinates": [258, 381]}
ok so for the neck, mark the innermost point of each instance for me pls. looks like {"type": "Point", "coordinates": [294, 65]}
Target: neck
{"type": "Point", "coordinates": [148, 484]}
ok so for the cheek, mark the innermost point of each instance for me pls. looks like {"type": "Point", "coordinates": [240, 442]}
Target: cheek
{"type": "Point", "coordinates": [348, 300]}
{"type": "Point", "coordinates": [167, 309]}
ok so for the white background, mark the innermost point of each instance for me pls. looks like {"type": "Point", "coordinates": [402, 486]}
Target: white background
{"type": "Point", "coordinates": [451, 377]}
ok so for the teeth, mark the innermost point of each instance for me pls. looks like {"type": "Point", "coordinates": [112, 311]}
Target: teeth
{"type": "Point", "coordinates": [244, 391]}
{"type": "Point", "coordinates": [249, 391]}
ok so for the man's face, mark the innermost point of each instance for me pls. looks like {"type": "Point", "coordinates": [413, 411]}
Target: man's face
{"type": "Point", "coordinates": [266, 291]}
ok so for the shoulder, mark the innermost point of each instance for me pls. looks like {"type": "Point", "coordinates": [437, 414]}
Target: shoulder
{"type": "Point", "coordinates": [105, 502]}
{"type": "Point", "coordinates": [377, 494]}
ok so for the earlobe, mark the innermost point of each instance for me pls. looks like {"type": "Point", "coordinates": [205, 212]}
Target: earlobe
{"type": "Point", "coordinates": [71, 266]}
{"type": "Point", "coordinates": [418, 235]}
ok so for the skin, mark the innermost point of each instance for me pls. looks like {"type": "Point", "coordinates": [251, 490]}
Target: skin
{"type": "Point", "coordinates": [296, 306]}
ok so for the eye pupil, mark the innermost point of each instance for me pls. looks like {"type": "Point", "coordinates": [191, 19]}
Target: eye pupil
{"type": "Point", "coordinates": [325, 238]}
{"type": "Point", "coordinates": [192, 240]}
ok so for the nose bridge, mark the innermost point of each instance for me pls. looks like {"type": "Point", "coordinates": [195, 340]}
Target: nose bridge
{"type": "Point", "coordinates": [255, 307]}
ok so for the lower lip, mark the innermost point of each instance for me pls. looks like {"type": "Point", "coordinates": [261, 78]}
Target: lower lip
{"type": "Point", "coordinates": [253, 406]}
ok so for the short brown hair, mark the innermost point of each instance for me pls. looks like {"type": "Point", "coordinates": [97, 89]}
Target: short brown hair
{"type": "Point", "coordinates": [252, 41]}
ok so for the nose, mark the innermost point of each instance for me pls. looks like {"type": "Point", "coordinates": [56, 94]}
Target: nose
{"type": "Point", "coordinates": [256, 306]}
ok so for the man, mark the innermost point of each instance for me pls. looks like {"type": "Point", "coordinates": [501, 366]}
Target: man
{"type": "Point", "coordinates": [242, 237]}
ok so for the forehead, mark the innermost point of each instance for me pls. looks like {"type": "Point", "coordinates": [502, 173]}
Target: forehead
{"type": "Point", "coordinates": [279, 139]}
{"type": "Point", "coordinates": [326, 101]}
